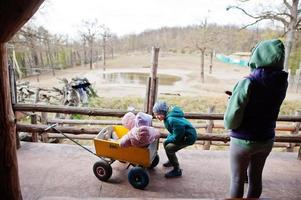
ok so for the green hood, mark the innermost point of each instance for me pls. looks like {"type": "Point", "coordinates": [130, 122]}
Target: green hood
{"type": "Point", "coordinates": [269, 53]}
{"type": "Point", "coordinates": [175, 112]}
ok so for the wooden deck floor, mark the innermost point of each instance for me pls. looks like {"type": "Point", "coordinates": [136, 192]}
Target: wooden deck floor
{"type": "Point", "coordinates": [60, 171]}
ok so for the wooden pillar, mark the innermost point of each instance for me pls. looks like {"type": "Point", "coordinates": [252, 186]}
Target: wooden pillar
{"type": "Point", "coordinates": [209, 129]}
{"type": "Point", "coordinates": [153, 88]}
{"type": "Point", "coordinates": [34, 135]}
{"type": "Point", "coordinates": [37, 95]}
{"type": "Point", "coordinates": [147, 93]}
{"type": "Point", "coordinates": [44, 120]}
{"type": "Point", "coordinates": [9, 177]}
{"type": "Point", "coordinates": [297, 125]}
{"type": "Point", "coordinates": [13, 92]}
{"type": "Point", "coordinates": [44, 117]}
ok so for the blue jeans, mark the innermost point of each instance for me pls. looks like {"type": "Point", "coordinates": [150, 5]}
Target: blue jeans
{"type": "Point", "coordinates": [248, 156]}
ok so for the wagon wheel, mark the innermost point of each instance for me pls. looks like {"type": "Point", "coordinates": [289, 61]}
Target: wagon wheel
{"type": "Point", "coordinates": [155, 162]}
{"type": "Point", "coordinates": [138, 177]}
{"type": "Point", "coordinates": [102, 170]}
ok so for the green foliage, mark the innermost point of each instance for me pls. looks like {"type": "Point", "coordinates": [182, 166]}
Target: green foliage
{"type": "Point", "coordinates": [117, 103]}
{"type": "Point", "coordinates": [76, 116]}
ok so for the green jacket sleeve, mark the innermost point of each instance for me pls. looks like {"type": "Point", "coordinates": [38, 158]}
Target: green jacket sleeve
{"type": "Point", "coordinates": [177, 133]}
{"type": "Point", "coordinates": [237, 103]}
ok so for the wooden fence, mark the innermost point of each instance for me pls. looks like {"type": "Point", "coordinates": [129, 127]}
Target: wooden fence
{"type": "Point", "coordinates": [289, 140]}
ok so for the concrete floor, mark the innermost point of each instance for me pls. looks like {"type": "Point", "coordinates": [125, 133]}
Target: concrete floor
{"type": "Point", "coordinates": [61, 171]}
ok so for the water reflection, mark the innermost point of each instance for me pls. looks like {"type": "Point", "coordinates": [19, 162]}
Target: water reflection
{"type": "Point", "coordinates": [137, 78]}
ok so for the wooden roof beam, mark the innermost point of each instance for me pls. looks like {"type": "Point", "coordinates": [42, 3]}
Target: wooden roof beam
{"type": "Point", "coordinates": [13, 15]}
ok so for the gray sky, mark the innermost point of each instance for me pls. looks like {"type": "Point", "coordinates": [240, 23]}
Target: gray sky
{"type": "Point", "coordinates": [134, 16]}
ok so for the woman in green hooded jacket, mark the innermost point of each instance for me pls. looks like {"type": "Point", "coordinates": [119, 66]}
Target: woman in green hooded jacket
{"type": "Point", "coordinates": [251, 116]}
{"type": "Point", "coordinates": [181, 134]}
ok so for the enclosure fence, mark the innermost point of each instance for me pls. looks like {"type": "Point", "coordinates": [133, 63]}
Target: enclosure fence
{"type": "Point", "coordinates": [209, 132]}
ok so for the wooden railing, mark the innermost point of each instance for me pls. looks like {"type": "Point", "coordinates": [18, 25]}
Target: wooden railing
{"type": "Point", "coordinates": [89, 133]}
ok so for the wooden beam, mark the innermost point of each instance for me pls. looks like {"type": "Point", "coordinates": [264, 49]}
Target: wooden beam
{"type": "Point", "coordinates": [68, 110]}
{"type": "Point", "coordinates": [9, 177]}
{"type": "Point", "coordinates": [65, 129]}
{"type": "Point", "coordinates": [14, 14]}
{"type": "Point", "coordinates": [77, 131]}
{"type": "Point", "coordinates": [118, 113]}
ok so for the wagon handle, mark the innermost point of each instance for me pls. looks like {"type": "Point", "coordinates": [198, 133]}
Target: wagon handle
{"type": "Point", "coordinates": [52, 126]}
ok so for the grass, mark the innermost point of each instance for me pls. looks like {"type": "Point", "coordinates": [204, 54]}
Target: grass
{"type": "Point", "coordinates": [189, 104]}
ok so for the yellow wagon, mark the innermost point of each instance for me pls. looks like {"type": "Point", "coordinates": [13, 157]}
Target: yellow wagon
{"type": "Point", "coordinates": [140, 158]}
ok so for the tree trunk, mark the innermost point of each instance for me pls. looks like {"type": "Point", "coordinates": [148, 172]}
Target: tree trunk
{"type": "Point", "coordinates": [291, 33]}
{"type": "Point", "coordinates": [211, 62]}
{"type": "Point", "coordinates": [50, 58]}
{"type": "Point", "coordinates": [91, 55]}
{"type": "Point", "coordinates": [9, 177]}
{"type": "Point", "coordinates": [202, 64]}
{"type": "Point", "coordinates": [112, 52]}
{"type": "Point", "coordinates": [104, 50]}
{"type": "Point", "coordinates": [288, 47]}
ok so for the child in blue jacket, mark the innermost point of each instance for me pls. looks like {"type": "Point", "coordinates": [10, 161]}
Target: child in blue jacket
{"type": "Point", "coordinates": [181, 134]}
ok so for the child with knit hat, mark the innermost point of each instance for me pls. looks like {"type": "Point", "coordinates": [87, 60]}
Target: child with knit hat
{"type": "Point", "coordinates": [140, 132]}
{"type": "Point", "coordinates": [181, 134]}
{"type": "Point", "coordinates": [128, 120]}
{"type": "Point", "coordinates": [107, 133]}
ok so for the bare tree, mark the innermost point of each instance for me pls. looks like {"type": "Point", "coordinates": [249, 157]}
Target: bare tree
{"type": "Point", "coordinates": [203, 42]}
{"type": "Point", "coordinates": [289, 15]}
{"type": "Point", "coordinates": [89, 33]}
{"type": "Point", "coordinates": [106, 34]}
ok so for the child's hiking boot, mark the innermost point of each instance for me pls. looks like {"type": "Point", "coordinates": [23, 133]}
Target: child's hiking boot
{"type": "Point", "coordinates": [174, 173]}
{"type": "Point", "coordinates": [167, 164]}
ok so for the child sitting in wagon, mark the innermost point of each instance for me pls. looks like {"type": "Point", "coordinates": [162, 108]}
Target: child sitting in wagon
{"type": "Point", "coordinates": [140, 132]}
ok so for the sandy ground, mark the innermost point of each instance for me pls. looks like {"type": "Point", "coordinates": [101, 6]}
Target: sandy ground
{"type": "Point", "coordinates": [187, 67]}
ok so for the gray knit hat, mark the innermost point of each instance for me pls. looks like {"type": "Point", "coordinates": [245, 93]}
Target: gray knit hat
{"type": "Point", "coordinates": [160, 107]}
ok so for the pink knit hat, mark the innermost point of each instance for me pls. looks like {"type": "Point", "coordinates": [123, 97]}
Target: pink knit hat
{"type": "Point", "coordinates": [128, 120]}
{"type": "Point", "coordinates": [143, 119]}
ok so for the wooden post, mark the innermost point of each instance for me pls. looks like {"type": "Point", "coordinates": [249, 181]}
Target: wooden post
{"type": "Point", "coordinates": [9, 177]}
{"type": "Point", "coordinates": [14, 14]}
{"type": "Point", "coordinates": [44, 137]}
{"type": "Point", "coordinates": [44, 117]}
{"type": "Point", "coordinates": [298, 126]}
{"type": "Point", "coordinates": [147, 94]}
{"type": "Point", "coordinates": [209, 128]}
{"type": "Point", "coordinates": [34, 135]}
{"type": "Point", "coordinates": [296, 131]}
{"type": "Point", "coordinates": [153, 81]}
{"type": "Point", "coordinates": [37, 96]}
{"type": "Point", "coordinates": [44, 120]}
{"type": "Point", "coordinates": [12, 79]}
